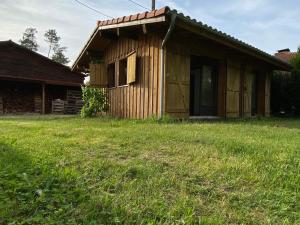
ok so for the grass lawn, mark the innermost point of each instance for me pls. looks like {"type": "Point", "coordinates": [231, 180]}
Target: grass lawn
{"type": "Point", "coordinates": [68, 170]}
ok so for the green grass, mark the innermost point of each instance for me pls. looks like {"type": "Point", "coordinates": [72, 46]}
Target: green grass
{"type": "Point", "coordinates": [101, 171]}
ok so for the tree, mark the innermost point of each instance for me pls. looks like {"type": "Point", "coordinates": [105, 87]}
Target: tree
{"type": "Point", "coordinates": [29, 39]}
{"type": "Point", "coordinates": [52, 39]}
{"type": "Point", "coordinates": [296, 61]}
{"type": "Point", "coordinates": [59, 55]}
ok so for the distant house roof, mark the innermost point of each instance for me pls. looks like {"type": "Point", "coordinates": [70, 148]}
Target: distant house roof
{"type": "Point", "coordinates": [285, 55]}
{"type": "Point", "coordinates": [18, 62]}
{"type": "Point", "coordinates": [163, 13]}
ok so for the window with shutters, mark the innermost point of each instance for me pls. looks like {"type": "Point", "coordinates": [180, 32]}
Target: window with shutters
{"type": "Point", "coordinates": [131, 68]}
{"type": "Point", "coordinates": [98, 75]}
{"type": "Point", "coordinates": [125, 70]}
{"type": "Point", "coordinates": [111, 73]}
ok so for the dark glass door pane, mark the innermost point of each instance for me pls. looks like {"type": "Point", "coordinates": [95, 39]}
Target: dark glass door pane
{"type": "Point", "coordinates": [203, 88]}
{"type": "Point", "coordinates": [254, 96]}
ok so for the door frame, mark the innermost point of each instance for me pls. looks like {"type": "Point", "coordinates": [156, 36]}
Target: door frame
{"type": "Point", "coordinates": [216, 64]}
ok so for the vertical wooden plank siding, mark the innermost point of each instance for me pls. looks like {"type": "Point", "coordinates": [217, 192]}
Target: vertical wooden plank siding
{"type": "Point", "coordinates": [142, 83]}
{"type": "Point", "coordinates": [177, 88]}
{"type": "Point", "coordinates": [147, 77]}
{"type": "Point", "coordinates": [222, 88]}
{"type": "Point", "coordinates": [233, 89]}
{"type": "Point", "coordinates": [151, 66]}
{"type": "Point", "coordinates": [242, 87]}
{"type": "Point", "coordinates": [248, 79]}
{"type": "Point", "coordinates": [261, 89]}
{"type": "Point", "coordinates": [139, 99]}
{"type": "Point", "coordinates": [43, 98]}
{"type": "Point", "coordinates": [155, 87]}
{"type": "Point", "coordinates": [267, 94]}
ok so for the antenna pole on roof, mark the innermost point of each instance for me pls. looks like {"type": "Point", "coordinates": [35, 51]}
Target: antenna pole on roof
{"type": "Point", "coordinates": [153, 4]}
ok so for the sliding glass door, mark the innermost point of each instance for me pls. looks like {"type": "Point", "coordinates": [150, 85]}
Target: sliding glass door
{"type": "Point", "coordinates": [203, 92]}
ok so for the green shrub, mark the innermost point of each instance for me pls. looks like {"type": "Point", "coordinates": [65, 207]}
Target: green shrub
{"type": "Point", "coordinates": [95, 101]}
{"type": "Point", "coordinates": [285, 90]}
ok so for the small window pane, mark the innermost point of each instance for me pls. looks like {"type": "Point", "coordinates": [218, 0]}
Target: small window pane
{"type": "Point", "coordinates": [111, 75]}
{"type": "Point", "coordinates": [123, 72]}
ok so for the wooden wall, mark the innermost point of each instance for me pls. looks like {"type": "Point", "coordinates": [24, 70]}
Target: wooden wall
{"type": "Point", "coordinates": [177, 91]}
{"type": "Point", "coordinates": [248, 79]}
{"type": "Point", "coordinates": [140, 99]}
{"type": "Point", "coordinates": [24, 97]}
{"type": "Point", "coordinates": [233, 89]}
{"type": "Point", "coordinates": [177, 71]}
{"type": "Point", "coordinates": [236, 73]}
{"type": "Point", "coordinates": [240, 75]}
{"type": "Point", "coordinates": [20, 63]}
{"type": "Point", "coordinates": [268, 94]}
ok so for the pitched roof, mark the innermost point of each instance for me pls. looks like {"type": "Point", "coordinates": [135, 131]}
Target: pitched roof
{"type": "Point", "coordinates": [166, 11]}
{"type": "Point", "coordinates": [285, 55]}
{"type": "Point", "coordinates": [18, 62]}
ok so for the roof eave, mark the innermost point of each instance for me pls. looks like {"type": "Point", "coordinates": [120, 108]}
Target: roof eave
{"type": "Point", "coordinates": [233, 42]}
{"type": "Point", "coordinates": [159, 19]}
{"type": "Point", "coordinates": [84, 48]}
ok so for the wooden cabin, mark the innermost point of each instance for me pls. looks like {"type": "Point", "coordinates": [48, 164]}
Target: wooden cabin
{"type": "Point", "coordinates": [29, 82]}
{"type": "Point", "coordinates": [164, 63]}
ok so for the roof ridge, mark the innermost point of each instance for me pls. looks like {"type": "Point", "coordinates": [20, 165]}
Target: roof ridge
{"type": "Point", "coordinates": [138, 16]}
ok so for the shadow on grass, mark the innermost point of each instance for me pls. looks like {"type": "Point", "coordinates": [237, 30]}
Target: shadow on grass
{"type": "Point", "coordinates": [273, 122]}
{"type": "Point", "coordinates": [38, 117]}
{"type": "Point", "coordinates": [32, 193]}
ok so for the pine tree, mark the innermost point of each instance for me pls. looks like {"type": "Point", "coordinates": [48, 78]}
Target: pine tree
{"type": "Point", "coordinates": [29, 39]}
{"type": "Point", "coordinates": [59, 55]}
{"type": "Point", "coordinates": [52, 39]}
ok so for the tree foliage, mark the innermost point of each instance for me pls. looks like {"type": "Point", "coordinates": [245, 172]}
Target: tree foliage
{"type": "Point", "coordinates": [95, 101]}
{"type": "Point", "coordinates": [285, 90]}
{"type": "Point", "coordinates": [59, 56]}
{"type": "Point", "coordinates": [296, 61]}
{"type": "Point", "coordinates": [29, 39]}
{"type": "Point", "coordinates": [52, 39]}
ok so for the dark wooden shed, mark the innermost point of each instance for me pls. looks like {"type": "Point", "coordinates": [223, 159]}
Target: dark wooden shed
{"type": "Point", "coordinates": [162, 62]}
{"type": "Point", "coordinates": [30, 81]}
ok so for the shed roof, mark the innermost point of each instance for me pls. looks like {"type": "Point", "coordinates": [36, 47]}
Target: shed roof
{"type": "Point", "coordinates": [286, 55]}
{"type": "Point", "coordinates": [226, 39]}
{"type": "Point", "coordinates": [18, 62]}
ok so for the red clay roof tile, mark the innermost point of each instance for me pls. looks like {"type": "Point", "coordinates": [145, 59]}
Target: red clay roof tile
{"type": "Point", "coordinates": [142, 16]}
{"type": "Point", "coordinates": [127, 18]}
{"type": "Point", "coordinates": [139, 16]}
{"type": "Point", "coordinates": [160, 11]}
{"type": "Point", "coordinates": [286, 56]}
{"type": "Point", "coordinates": [134, 17]}
{"type": "Point", "coordinates": [120, 19]}
{"type": "Point", "coordinates": [151, 14]}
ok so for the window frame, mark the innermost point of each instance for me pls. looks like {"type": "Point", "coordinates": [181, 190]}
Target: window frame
{"type": "Point", "coordinates": [124, 59]}
{"type": "Point", "coordinates": [117, 63]}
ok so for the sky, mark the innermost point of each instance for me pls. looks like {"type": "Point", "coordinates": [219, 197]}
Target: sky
{"type": "Point", "coordinates": [266, 24]}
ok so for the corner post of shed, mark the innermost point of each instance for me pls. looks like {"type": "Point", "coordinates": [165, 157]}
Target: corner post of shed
{"type": "Point", "coordinates": [43, 98]}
